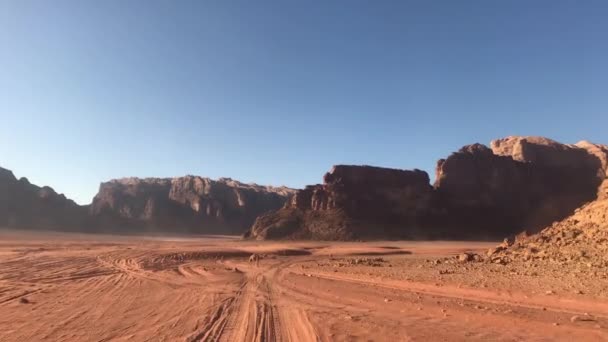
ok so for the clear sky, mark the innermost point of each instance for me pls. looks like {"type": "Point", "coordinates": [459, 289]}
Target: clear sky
{"type": "Point", "coordinates": [275, 92]}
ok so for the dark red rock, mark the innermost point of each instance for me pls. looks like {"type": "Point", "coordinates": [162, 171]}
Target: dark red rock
{"type": "Point", "coordinates": [522, 183]}
{"type": "Point", "coordinates": [353, 202]}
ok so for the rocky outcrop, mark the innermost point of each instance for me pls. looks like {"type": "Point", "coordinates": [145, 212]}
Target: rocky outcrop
{"type": "Point", "coordinates": [601, 153]}
{"type": "Point", "coordinates": [185, 204]}
{"type": "Point", "coordinates": [353, 202]}
{"type": "Point", "coordinates": [28, 206]}
{"type": "Point", "coordinates": [517, 184]}
{"type": "Point", "coordinates": [521, 183]}
{"type": "Point", "coordinates": [577, 244]}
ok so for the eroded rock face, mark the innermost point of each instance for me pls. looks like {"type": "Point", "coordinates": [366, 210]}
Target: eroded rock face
{"type": "Point", "coordinates": [186, 204]}
{"type": "Point", "coordinates": [598, 151]}
{"type": "Point", "coordinates": [352, 202]}
{"type": "Point", "coordinates": [577, 243]}
{"type": "Point", "coordinates": [28, 206]}
{"type": "Point", "coordinates": [518, 184]}
{"type": "Point", "coordinates": [521, 183]}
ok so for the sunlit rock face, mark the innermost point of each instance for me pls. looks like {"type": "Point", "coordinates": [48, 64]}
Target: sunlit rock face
{"type": "Point", "coordinates": [186, 204]}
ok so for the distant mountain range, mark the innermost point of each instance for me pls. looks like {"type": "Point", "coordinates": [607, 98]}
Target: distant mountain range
{"type": "Point", "coordinates": [517, 184]}
{"type": "Point", "coordinates": [189, 204]}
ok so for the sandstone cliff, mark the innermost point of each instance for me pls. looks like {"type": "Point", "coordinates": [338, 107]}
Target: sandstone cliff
{"type": "Point", "coordinates": [28, 206]}
{"type": "Point", "coordinates": [519, 184]}
{"type": "Point", "coordinates": [185, 204]}
{"type": "Point", "coordinates": [353, 202]}
{"type": "Point", "coordinates": [578, 243]}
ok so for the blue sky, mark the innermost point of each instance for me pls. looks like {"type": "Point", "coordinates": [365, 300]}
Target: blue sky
{"type": "Point", "coordinates": [275, 92]}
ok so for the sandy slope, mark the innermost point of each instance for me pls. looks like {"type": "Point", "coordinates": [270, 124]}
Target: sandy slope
{"type": "Point", "coordinates": [96, 288]}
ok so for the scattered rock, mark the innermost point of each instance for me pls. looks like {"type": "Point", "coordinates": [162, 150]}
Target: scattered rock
{"type": "Point", "coordinates": [465, 257]}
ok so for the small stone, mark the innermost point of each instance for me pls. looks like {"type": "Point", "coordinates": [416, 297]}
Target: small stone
{"type": "Point", "coordinates": [386, 300]}
{"type": "Point", "coordinates": [465, 257]}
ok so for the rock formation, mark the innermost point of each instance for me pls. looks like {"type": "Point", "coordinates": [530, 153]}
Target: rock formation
{"type": "Point", "coordinates": [577, 244]}
{"type": "Point", "coordinates": [353, 202]}
{"type": "Point", "coordinates": [185, 204]}
{"type": "Point", "coordinates": [28, 206]}
{"type": "Point", "coordinates": [519, 184]}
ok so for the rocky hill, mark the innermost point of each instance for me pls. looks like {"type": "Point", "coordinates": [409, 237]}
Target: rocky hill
{"type": "Point", "coordinates": [27, 206]}
{"type": "Point", "coordinates": [185, 204]}
{"type": "Point", "coordinates": [517, 184]}
{"type": "Point", "coordinates": [578, 243]}
{"type": "Point", "coordinates": [520, 183]}
{"type": "Point", "coordinates": [352, 202]}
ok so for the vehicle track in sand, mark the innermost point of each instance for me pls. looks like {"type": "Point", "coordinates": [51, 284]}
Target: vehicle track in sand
{"type": "Point", "coordinates": [187, 291]}
{"type": "Point", "coordinates": [254, 315]}
{"type": "Point", "coordinates": [254, 311]}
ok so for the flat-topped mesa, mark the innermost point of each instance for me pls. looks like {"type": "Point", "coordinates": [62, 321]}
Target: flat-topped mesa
{"type": "Point", "coordinates": [353, 201]}
{"type": "Point", "coordinates": [360, 190]}
{"type": "Point", "coordinates": [187, 204]}
{"type": "Point", "coordinates": [379, 176]}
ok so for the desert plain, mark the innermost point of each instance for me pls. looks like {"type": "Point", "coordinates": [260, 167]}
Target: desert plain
{"type": "Point", "coordinates": [84, 287]}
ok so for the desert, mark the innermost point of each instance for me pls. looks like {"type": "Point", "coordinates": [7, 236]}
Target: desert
{"type": "Point", "coordinates": [509, 243]}
{"type": "Point", "coordinates": [303, 171]}
{"type": "Point", "coordinates": [70, 287]}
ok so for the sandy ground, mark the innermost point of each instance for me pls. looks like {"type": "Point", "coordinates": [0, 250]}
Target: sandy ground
{"type": "Point", "coordinates": [60, 287]}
